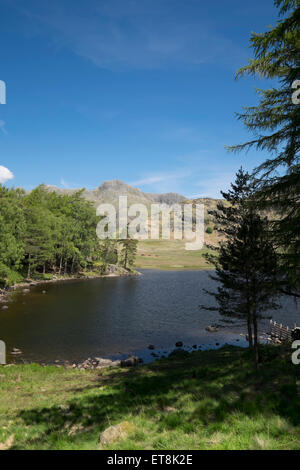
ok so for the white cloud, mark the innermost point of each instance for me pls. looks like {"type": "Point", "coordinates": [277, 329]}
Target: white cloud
{"type": "Point", "coordinates": [195, 181]}
{"type": "Point", "coordinates": [5, 174]}
{"type": "Point", "coordinates": [2, 127]}
{"type": "Point", "coordinates": [164, 182]}
{"type": "Point", "coordinates": [135, 34]}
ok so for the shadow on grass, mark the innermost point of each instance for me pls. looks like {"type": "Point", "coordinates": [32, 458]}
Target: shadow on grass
{"type": "Point", "coordinates": [200, 389]}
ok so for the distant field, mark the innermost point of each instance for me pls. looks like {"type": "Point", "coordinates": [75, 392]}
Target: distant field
{"type": "Point", "coordinates": [171, 254]}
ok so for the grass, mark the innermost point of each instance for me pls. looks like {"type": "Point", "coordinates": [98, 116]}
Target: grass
{"type": "Point", "coordinates": [205, 400]}
{"type": "Point", "coordinates": [171, 254]}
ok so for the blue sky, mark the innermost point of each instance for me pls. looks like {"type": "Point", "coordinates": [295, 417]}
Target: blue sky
{"type": "Point", "coordinates": [139, 90]}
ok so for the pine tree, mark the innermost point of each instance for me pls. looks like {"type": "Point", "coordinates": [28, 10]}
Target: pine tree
{"type": "Point", "coordinates": [276, 124]}
{"type": "Point", "coordinates": [128, 252]}
{"type": "Point", "coordinates": [245, 261]}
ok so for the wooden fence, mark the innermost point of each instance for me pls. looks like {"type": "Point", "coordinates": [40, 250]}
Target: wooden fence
{"type": "Point", "coordinates": [280, 332]}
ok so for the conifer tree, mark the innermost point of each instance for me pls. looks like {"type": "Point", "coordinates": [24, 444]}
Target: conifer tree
{"type": "Point", "coordinates": [275, 123]}
{"type": "Point", "coordinates": [128, 252]}
{"type": "Point", "coordinates": [245, 261]}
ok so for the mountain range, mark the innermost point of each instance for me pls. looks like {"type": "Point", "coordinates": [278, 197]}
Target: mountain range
{"type": "Point", "coordinates": [109, 192]}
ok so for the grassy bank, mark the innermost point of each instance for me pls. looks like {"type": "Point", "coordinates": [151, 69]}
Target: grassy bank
{"type": "Point", "coordinates": [169, 254]}
{"type": "Point", "coordinates": [206, 400]}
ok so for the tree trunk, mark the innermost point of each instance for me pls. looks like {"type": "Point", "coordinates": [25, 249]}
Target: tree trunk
{"type": "Point", "coordinates": [60, 265]}
{"type": "Point", "coordinates": [66, 267]}
{"type": "Point", "coordinates": [125, 259]}
{"type": "Point", "coordinates": [256, 353]}
{"type": "Point", "coordinates": [250, 337]}
{"type": "Point", "coordinates": [72, 266]}
{"type": "Point", "coordinates": [249, 318]}
{"type": "Point", "coordinates": [29, 268]}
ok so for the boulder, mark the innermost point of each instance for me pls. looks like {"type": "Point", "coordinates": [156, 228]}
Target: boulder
{"type": "Point", "coordinates": [114, 433]}
{"type": "Point", "coordinates": [101, 363]}
{"type": "Point", "coordinates": [5, 307]}
{"type": "Point", "coordinates": [211, 329]}
{"type": "Point", "coordinates": [151, 346]}
{"type": "Point", "coordinates": [26, 291]}
{"type": "Point", "coordinates": [131, 361]}
{"type": "Point", "coordinates": [169, 409]}
{"type": "Point", "coordinates": [179, 344]}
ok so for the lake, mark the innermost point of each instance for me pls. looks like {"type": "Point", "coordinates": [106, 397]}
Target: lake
{"type": "Point", "coordinates": [113, 317]}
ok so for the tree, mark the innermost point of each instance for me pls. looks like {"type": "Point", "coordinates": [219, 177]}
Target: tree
{"type": "Point", "coordinates": [12, 223]}
{"type": "Point", "coordinates": [276, 121]}
{"type": "Point", "coordinates": [43, 232]}
{"type": "Point", "coordinates": [128, 252]}
{"type": "Point", "coordinates": [40, 229]}
{"type": "Point", "coordinates": [245, 262]}
{"type": "Point", "coordinates": [108, 253]}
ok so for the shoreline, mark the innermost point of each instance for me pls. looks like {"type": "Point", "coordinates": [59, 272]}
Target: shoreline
{"type": "Point", "coordinates": [117, 271]}
{"type": "Point", "coordinates": [149, 354]}
{"type": "Point", "coordinates": [131, 359]}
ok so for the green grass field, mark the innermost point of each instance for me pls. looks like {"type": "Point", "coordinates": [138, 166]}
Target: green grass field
{"type": "Point", "coordinates": [171, 254]}
{"type": "Point", "coordinates": [205, 400]}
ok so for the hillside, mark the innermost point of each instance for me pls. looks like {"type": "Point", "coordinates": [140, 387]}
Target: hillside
{"type": "Point", "coordinates": [110, 191]}
{"type": "Point", "coordinates": [152, 254]}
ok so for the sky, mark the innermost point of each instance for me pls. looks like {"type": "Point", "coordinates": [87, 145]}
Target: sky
{"type": "Point", "coordinates": [138, 90]}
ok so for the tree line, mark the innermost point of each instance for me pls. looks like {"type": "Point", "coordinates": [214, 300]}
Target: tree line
{"type": "Point", "coordinates": [45, 233]}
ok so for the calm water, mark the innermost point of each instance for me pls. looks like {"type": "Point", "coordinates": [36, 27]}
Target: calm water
{"type": "Point", "coordinates": [117, 316]}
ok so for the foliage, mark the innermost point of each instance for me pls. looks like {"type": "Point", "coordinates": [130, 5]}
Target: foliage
{"type": "Point", "coordinates": [128, 252]}
{"type": "Point", "coordinates": [44, 233]}
{"type": "Point", "coordinates": [246, 261]}
{"type": "Point", "coordinates": [275, 122]}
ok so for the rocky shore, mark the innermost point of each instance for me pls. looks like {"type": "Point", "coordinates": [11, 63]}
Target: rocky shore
{"type": "Point", "coordinates": [129, 361]}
